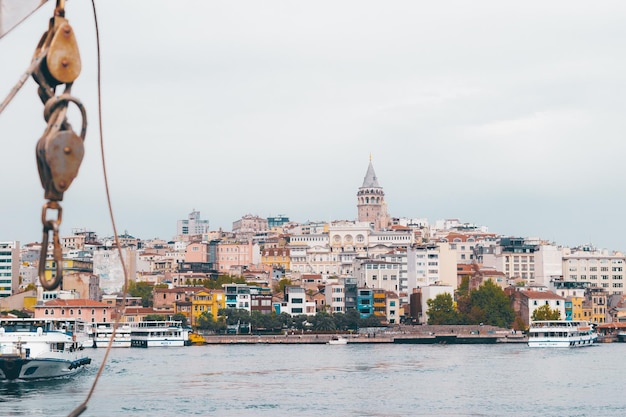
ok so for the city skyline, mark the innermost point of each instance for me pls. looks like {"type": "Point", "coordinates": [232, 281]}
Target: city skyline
{"type": "Point", "coordinates": [506, 116]}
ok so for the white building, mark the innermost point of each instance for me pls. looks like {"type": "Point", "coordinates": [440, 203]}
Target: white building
{"type": "Point", "coordinates": [108, 267]}
{"type": "Point", "coordinates": [431, 264]}
{"type": "Point", "coordinates": [295, 302]}
{"type": "Point", "coordinates": [9, 268]}
{"type": "Point", "coordinates": [429, 293]}
{"type": "Point", "coordinates": [600, 268]}
{"type": "Point", "coordinates": [192, 226]}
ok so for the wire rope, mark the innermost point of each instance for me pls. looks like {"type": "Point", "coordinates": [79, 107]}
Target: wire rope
{"type": "Point", "coordinates": [83, 406]}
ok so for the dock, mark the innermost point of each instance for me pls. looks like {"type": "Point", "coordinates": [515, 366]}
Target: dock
{"type": "Point", "coordinates": [400, 335]}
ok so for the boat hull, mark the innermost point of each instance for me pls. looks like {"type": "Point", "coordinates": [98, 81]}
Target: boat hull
{"type": "Point", "coordinates": [27, 369]}
{"type": "Point", "coordinates": [41, 348]}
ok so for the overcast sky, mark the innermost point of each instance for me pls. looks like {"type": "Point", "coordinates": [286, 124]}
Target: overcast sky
{"type": "Point", "coordinates": [504, 114]}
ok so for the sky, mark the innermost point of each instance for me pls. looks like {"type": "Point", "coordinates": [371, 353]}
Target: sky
{"type": "Point", "coordinates": [508, 115]}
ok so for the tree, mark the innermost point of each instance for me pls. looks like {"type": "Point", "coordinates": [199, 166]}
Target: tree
{"type": "Point", "coordinates": [490, 305]}
{"type": "Point", "coordinates": [372, 320]}
{"type": "Point", "coordinates": [280, 287]}
{"type": "Point", "coordinates": [234, 315]}
{"type": "Point", "coordinates": [441, 310]}
{"type": "Point", "coordinates": [206, 321]}
{"type": "Point", "coordinates": [323, 322]}
{"type": "Point", "coordinates": [353, 319]}
{"type": "Point", "coordinates": [155, 317]}
{"type": "Point", "coordinates": [17, 313]}
{"type": "Point", "coordinates": [546, 313]}
{"type": "Point", "coordinates": [143, 290]}
{"type": "Point", "coordinates": [180, 317]}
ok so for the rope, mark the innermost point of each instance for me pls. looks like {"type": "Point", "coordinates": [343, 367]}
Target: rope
{"type": "Point", "coordinates": [83, 406]}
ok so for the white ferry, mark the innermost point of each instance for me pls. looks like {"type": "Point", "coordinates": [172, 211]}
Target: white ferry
{"type": "Point", "coordinates": [158, 333]}
{"type": "Point", "coordinates": [561, 333]}
{"type": "Point", "coordinates": [41, 348]}
{"type": "Point", "coordinates": [101, 335]}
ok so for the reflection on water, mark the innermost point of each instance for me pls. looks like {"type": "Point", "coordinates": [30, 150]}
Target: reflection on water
{"type": "Point", "coordinates": [10, 390]}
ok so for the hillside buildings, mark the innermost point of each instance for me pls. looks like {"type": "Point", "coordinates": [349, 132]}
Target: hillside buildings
{"type": "Point", "coordinates": [377, 264]}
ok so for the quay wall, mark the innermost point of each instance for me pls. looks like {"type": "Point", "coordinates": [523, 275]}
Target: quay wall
{"type": "Point", "coordinates": [399, 334]}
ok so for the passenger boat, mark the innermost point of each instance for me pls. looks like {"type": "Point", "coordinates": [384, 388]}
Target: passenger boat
{"type": "Point", "coordinates": [338, 340]}
{"type": "Point", "coordinates": [101, 335]}
{"type": "Point", "coordinates": [561, 333]}
{"type": "Point", "coordinates": [41, 348]}
{"type": "Point", "coordinates": [158, 333]}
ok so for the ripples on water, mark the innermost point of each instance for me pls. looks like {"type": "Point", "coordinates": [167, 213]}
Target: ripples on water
{"type": "Point", "coordinates": [351, 380]}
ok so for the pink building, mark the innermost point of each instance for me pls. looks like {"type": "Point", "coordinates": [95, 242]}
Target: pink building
{"type": "Point", "coordinates": [231, 256]}
{"type": "Point", "coordinates": [197, 252]}
{"type": "Point", "coordinates": [88, 310]}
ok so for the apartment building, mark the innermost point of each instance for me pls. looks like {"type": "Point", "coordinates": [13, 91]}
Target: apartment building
{"type": "Point", "coordinates": [600, 269]}
{"type": "Point", "coordinates": [9, 268]}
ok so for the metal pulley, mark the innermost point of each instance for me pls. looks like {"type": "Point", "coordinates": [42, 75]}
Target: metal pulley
{"type": "Point", "coordinates": [59, 152]}
{"type": "Point", "coordinates": [62, 63]}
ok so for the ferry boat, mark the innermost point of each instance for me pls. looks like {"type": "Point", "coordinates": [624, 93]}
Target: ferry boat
{"type": "Point", "coordinates": [158, 333]}
{"type": "Point", "coordinates": [101, 335]}
{"type": "Point", "coordinates": [41, 348]}
{"type": "Point", "coordinates": [561, 333]}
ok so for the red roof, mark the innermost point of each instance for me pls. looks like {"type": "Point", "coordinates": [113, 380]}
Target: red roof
{"type": "Point", "coordinates": [542, 295]}
{"type": "Point", "coordinates": [57, 302]}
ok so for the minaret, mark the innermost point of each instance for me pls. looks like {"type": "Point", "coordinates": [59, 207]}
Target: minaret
{"type": "Point", "coordinates": [371, 201]}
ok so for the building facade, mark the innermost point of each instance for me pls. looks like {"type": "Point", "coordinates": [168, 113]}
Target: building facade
{"type": "Point", "coordinates": [9, 268]}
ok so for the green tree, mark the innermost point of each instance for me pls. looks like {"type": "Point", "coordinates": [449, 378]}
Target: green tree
{"type": "Point", "coordinates": [353, 319]}
{"type": "Point", "coordinates": [155, 317]}
{"type": "Point", "coordinates": [180, 317]}
{"type": "Point", "coordinates": [441, 310]}
{"type": "Point", "coordinates": [372, 321]}
{"type": "Point", "coordinates": [235, 315]}
{"type": "Point", "coordinates": [280, 287]}
{"type": "Point", "coordinates": [206, 321]}
{"type": "Point", "coordinates": [143, 290]}
{"type": "Point", "coordinates": [17, 313]}
{"type": "Point", "coordinates": [546, 313]}
{"type": "Point", "coordinates": [490, 305]}
{"type": "Point", "coordinates": [323, 321]}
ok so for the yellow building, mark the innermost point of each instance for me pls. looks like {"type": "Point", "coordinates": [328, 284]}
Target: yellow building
{"type": "Point", "coordinates": [206, 301]}
{"type": "Point", "coordinates": [69, 265]}
{"type": "Point", "coordinates": [276, 258]}
{"type": "Point", "coordinates": [380, 303]}
{"type": "Point", "coordinates": [577, 308]}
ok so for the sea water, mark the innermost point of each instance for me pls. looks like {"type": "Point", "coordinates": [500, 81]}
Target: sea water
{"type": "Point", "coordinates": [350, 380]}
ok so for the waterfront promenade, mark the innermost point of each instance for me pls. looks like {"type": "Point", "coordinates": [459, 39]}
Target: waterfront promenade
{"type": "Point", "coordinates": [401, 334]}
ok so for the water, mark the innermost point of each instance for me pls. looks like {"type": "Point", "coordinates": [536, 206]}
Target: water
{"type": "Point", "coordinates": [350, 380]}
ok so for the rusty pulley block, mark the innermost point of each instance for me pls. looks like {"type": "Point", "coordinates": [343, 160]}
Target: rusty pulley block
{"type": "Point", "coordinates": [60, 150]}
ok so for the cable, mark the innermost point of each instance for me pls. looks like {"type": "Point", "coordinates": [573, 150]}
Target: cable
{"type": "Point", "coordinates": [83, 406]}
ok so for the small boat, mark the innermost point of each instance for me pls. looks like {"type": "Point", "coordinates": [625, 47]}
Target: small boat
{"type": "Point", "coordinates": [196, 339]}
{"type": "Point", "coordinates": [338, 340]}
{"type": "Point", "coordinates": [41, 348]}
{"type": "Point", "coordinates": [101, 335]}
{"type": "Point", "coordinates": [561, 333]}
{"type": "Point", "coordinates": [158, 333]}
